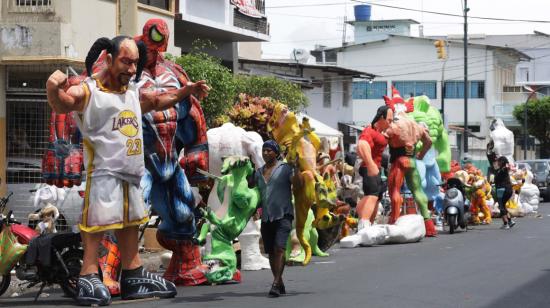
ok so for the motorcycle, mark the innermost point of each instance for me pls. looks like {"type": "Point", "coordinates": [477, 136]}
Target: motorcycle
{"type": "Point", "coordinates": [455, 209]}
{"type": "Point", "coordinates": [40, 259]}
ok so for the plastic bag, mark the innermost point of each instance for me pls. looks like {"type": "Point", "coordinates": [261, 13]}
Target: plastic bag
{"type": "Point", "coordinates": [10, 250]}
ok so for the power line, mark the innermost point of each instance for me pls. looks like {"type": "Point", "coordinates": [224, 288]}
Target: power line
{"type": "Point", "coordinates": [410, 9]}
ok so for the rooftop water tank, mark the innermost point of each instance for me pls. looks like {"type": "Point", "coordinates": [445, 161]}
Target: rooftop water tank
{"type": "Point", "coordinates": [362, 12]}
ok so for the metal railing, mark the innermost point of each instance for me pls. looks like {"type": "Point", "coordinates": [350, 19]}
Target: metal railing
{"type": "Point", "coordinates": [31, 6]}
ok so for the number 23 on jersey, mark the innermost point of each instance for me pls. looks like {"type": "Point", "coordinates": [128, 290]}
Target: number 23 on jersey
{"type": "Point", "coordinates": [133, 146]}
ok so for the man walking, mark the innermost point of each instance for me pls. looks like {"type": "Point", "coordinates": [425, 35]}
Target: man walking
{"type": "Point", "coordinates": [274, 181]}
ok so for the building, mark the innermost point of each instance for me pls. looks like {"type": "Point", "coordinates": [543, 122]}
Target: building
{"type": "Point", "coordinates": [533, 72]}
{"type": "Point", "coordinates": [327, 87]}
{"type": "Point", "coordinates": [411, 65]}
{"type": "Point", "coordinates": [40, 36]}
{"type": "Point", "coordinates": [235, 28]}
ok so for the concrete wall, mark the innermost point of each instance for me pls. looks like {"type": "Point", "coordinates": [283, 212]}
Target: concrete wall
{"type": "Point", "coordinates": [70, 30]}
{"type": "Point", "coordinates": [337, 112]}
{"type": "Point", "coordinates": [538, 68]}
{"type": "Point", "coordinates": [3, 132]}
{"type": "Point", "coordinates": [250, 50]}
{"type": "Point", "coordinates": [213, 10]}
{"type": "Point", "coordinates": [87, 27]}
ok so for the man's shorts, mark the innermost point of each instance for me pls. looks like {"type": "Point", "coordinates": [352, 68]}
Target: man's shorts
{"type": "Point", "coordinates": [111, 203]}
{"type": "Point", "coordinates": [372, 185]}
{"type": "Point", "coordinates": [275, 233]}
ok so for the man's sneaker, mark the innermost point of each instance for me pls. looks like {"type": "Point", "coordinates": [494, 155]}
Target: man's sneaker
{"type": "Point", "coordinates": [282, 289]}
{"type": "Point", "coordinates": [139, 283]}
{"type": "Point", "coordinates": [91, 291]}
{"type": "Point", "coordinates": [274, 292]}
{"type": "Point", "coordinates": [511, 223]}
{"type": "Point", "coordinates": [505, 227]}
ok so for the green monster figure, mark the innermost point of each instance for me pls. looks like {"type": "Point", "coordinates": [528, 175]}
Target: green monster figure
{"type": "Point", "coordinates": [426, 113]}
{"type": "Point", "coordinates": [295, 254]}
{"type": "Point", "coordinates": [222, 261]}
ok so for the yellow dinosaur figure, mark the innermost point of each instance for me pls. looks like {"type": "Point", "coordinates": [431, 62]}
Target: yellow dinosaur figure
{"type": "Point", "coordinates": [482, 192]}
{"type": "Point", "coordinates": [301, 145]}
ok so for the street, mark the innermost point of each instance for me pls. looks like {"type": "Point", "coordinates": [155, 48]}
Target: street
{"type": "Point", "coordinates": [483, 267]}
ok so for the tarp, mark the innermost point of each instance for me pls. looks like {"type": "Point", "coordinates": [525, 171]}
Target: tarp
{"type": "Point", "coordinates": [334, 136]}
{"type": "Point", "coordinates": [321, 129]}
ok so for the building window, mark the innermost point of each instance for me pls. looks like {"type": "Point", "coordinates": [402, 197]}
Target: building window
{"type": "Point", "coordinates": [416, 88]}
{"type": "Point", "coordinates": [455, 89]}
{"type": "Point", "coordinates": [369, 90]}
{"type": "Point", "coordinates": [345, 93]}
{"type": "Point", "coordinates": [327, 89]}
{"type": "Point", "coordinates": [161, 4]}
{"type": "Point", "coordinates": [33, 2]}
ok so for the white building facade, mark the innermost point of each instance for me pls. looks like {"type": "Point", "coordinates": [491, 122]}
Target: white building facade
{"type": "Point", "coordinates": [411, 65]}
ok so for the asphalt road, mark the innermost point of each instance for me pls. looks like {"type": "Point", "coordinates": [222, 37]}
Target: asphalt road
{"type": "Point", "coordinates": [483, 267]}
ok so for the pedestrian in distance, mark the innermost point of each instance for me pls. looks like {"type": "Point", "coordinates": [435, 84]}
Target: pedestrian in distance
{"type": "Point", "coordinates": [108, 109]}
{"type": "Point", "coordinates": [274, 180]}
{"type": "Point", "coordinates": [504, 190]}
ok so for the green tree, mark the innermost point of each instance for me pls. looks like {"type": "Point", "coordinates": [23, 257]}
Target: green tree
{"type": "Point", "coordinates": [199, 66]}
{"type": "Point", "coordinates": [538, 121]}
{"type": "Point", "coordinates": [281, 90]}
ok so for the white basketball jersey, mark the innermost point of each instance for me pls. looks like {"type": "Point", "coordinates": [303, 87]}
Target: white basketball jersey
{"type": "Point", "coordinates": [112, 133]}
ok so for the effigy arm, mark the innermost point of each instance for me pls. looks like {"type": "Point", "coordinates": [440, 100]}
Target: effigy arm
{"type": "Point", "coordinates": [222, 184]}
{"type": "Point", "coordinates": [443, 148]}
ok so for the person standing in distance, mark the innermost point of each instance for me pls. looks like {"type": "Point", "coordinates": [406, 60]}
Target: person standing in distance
{"type": "Point", "coordinates": [503, 185]}
{"type": "Point", "coordinates": [108, 109]}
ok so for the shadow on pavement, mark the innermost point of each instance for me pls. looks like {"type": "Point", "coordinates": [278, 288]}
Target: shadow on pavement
{"type": "Point", "coordinates": [212, 297]}
{"type": "Point", "coordinates": [531, 294]}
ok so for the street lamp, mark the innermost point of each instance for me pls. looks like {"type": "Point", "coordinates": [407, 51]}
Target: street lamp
{"type": "Point", "coordinates": [532, 92]}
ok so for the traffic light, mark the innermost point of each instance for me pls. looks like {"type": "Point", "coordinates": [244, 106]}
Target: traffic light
{"type": "Point", "coordinates": [441, 51]}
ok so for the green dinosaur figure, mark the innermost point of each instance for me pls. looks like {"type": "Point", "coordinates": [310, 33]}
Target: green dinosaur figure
{"type": "Point", "coordinates": [222, 261]}
{"type": "Point", "coordinates": [426, 113]}
{"type": "Point", "coordinates": [294, 253]}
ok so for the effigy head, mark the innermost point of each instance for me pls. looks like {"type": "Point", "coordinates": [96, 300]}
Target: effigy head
{"type": "Point", "coordinates": [237, 163]}
{"type": "Point", "coordinates": [496, 124]}
{"type": "Point", "coordinates": [155, 36]}
{"type": "Point", "coordinates": [283, 124]}
{"type": "Point", "coordinates": [422, 103]}
{"type": "Point", "coordinates": [326, 192]}
{"type": "Point", "coordinates": [397, 103]}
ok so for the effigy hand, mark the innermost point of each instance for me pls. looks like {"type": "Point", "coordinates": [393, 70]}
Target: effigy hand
{"type": "Point", "coordinates": [199, 89]}
{"type": "Point", "coordinates": [56, 80]}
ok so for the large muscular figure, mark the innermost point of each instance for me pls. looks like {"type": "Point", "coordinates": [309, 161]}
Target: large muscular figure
{"type": "Point", "coordinates": [403, 134]}
{"type": "Point", "coordinates": [165, 183]}
{"type": "Point", "coordinates": [370, 147]}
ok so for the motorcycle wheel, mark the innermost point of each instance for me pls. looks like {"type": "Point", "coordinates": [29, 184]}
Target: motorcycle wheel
{"type": "Point", "coordinates": [451, 221]}
{"type": "Point", "coordinates": [73, 261]}
{"type": "Point", "coordinates": [5, 283]}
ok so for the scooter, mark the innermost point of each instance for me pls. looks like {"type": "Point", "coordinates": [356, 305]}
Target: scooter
{"type": "Point", "coordinates": [34, 264]}
{"type": "Point", "coordinates": [455, 210]}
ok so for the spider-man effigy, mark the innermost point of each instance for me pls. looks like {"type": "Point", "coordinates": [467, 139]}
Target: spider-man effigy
{"type": "Point", "coordinates": [165, 183]}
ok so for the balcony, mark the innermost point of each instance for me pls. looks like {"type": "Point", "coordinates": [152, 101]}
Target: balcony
{"type": "Point", "coordinates": [251, 16]}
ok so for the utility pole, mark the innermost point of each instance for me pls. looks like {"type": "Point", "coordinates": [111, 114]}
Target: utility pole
{"type": "Point", "coordinates": [465, 137]}
{"type": "Point", "coordinates": [442, 53]}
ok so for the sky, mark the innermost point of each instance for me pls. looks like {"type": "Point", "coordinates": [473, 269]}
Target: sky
{"type": "Point", "coordinates": [307, 25]}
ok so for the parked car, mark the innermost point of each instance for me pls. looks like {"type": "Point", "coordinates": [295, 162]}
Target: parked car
{"type": "Point", "coordinates": [541, 171]}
